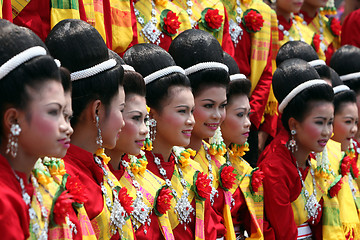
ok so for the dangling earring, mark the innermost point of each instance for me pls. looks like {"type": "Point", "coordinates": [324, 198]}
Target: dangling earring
{"type": "Point", "coordinates": [152, 129]}
{"type": "Point", "coordinates": [12, 145]}
{"type": "Point", "coordinates": [99, 140]}
{"type": "Point", "coordinates": [291, 145]}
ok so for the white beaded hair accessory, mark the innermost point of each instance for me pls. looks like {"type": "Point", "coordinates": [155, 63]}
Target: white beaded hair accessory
{"type": "Point", "coordinates": [21, 58]}
{"type": "Point", "coordinates": [163, 72]}
{"type": "Point", "coordinates": [205, 65]}
{"type": "Point", "coordinates": [340, 88]}
{"type": "Point", "coordinates": [237, 76]}
{"type": "Point", "coordinates": [297, 90]}
{"type": "Point", "coordinates": [98, 68]}
{"type": "Point", "coordinates": [350, 76]}
{"type": "Point", "coordinates": [317, 62]}
{"type": "Point", "coordinates": [57, 62]}
{"type": "Point", "coordinates": [128, 68]}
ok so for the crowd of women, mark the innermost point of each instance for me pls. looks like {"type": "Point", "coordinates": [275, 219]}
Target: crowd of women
{"type": "Point", "coordinates": [220, 120]}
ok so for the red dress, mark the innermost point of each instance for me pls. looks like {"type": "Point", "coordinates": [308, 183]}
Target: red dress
{"type": "Point", "coordinates": [14, 215]}
{"type": "Point", "coordinates": [350, 30]}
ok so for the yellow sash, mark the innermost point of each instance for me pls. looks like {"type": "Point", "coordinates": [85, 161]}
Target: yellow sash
{"type": "Point", "coordinates": [17, 6]}
{"type": "Point", "coordinates": [144, 7]}
{"type": "Point", "coordinates": [101, 223]}
{"type": "Point", "coordinates": [149, 185]}
{"type": "Point", "coordinates": [348, 212]}
{"type": "Point", "coordinates": [198, 7]}
{"type": "Point", "coordinates": [63, 231]}
{"type": "Point", "coordinates": [255, 203]}
{"type": "Point", "coordinates": [1, 8]}
{"type": "Point", "coordinates": [64, 9]}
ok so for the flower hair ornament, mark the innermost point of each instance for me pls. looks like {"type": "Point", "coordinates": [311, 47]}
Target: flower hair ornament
{"type": "Point", "coordinates": [150, 136]}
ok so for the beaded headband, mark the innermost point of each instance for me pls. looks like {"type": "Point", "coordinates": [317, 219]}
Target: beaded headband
{"type": "Point", "coordinates": [297, 90]}
{"type": "Point", "coordinates": [128, 68]}
{"type": "Point", "coordinates": [163, 72]}
{"type": "Point", "coordinates": [237, 77]}
{"type": "Point", "coordinates": [98, 68]}
{"type": "Point", "coordinates": [350, 76]}
{"type": "Point", "coordinates": [21, 58]}
{"type": "Point", "coordinates": [340, 88]}
{"type": "Point", "coordinates": [317, 62]}
{"type": "Point", "coordinates": [205, 65]}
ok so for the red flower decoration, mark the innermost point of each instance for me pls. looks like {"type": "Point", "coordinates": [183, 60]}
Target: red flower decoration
{"type": "Point", "coordinates": [227, 177]}
{"type": "Point", "coordinates": [201, 185]}
{"type": "Point", "coordinates": [354, 168]}
{"type": "Point", "coordinates": [335, 187]}
{"type": "Point", "coordinates": [211, 19]}
{"type": "Point", "coordinates": [316, 42]}
{"type": "Point", "coordinates": [163, 201]}
{"type": "Point", "coordinates": [335, 26]}
{"type": "Point", "coordinates": [345, 165]}
{"type": "Point", "coordinates": [169, 22]}
{"type": "Point", "coordinates": [257, 177]}
{"type": "Point", "coordinates": [125, 200]}
{"type": "Point", "coordinates": [76, 189]}
{"type": "Point", "coordinates": [62, 207]}
{"type": "Point", "coordinates": [252, 20]}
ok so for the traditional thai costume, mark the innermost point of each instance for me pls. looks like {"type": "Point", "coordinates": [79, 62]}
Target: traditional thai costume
{"type": "Point", "coordinates": [190, 217]}
{"type": "Point", "coordinates": [292, 197]}
{"type": "Point", "coordinates": [143, 186]}
{"type": "Point", "coordinates": [103, 206]}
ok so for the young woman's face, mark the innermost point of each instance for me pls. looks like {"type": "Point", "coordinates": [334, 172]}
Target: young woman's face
{"type": "Point", "coordinates": [289, 6]}
{"type": "Point", "coordinates": [236, 126]}
{"type": "Point", "coordinates": [132, 136]}
{"type": "Point", "coordinates": [316, 128]}
{"type": "Point", "coordinates": [45, 129]}
{"type": "Point", "coordinates": [175, 121]}
{"type": "Point", "coordinates": [113, 121]}
{"type": "Point", "coordinates": [209, 111]}
{"type": "Point", "coordinates": [345, 124]}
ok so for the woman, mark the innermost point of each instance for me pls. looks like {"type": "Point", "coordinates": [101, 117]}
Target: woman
{"type": "Point", "coordinates": [131, 172]}
{"type": "Point", "coordinates": [247, 211]}
{"type": "Point", "coordinates": [171, 103]}
{"type": "Point", "coordinates": [98, 99]}
{"type": "Point", "coordinates": [290, 195]}
{"type": "Point", "coordinates": [32, 106]}
{"type": "Point", "coordinates": [209, 79]}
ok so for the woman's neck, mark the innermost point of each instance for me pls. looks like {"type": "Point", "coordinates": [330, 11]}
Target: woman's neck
{"type": "Point", "coordinates": [301, 157]}
{"type": "Point", "coordinates": [162, 148]}
{"type": "Point", "coordinates": [310, 10]}
{"type": "Point", "coordinates": [84, 136]}
{"type": "Point", "coordinates": [195, 142]}
{"type": "Point", "coordinates": [116, 157]}
{"type": "Point", "coordinates": [286, 15]}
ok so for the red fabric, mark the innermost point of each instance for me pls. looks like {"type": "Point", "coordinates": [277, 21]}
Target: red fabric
{"type": "Point", "coordinates": [240, 212]}
{"type": "Point", "coordinates": [282, 186]}
{"type": "Point", "coordinates": [350, 30]}
{"type": "Point", "coordinates": [213, 226]}
{"type": "Point", "coordinates": [14, 214]}
{"type": "Point", "coordinates": [242, 52]}
{"type": "Point", "coordinates": [133, 26]}
{"type": "Point", "coordinates": [36, 16]}
{"type": "Point", "coordinates": [7, 10]}
{"type": "Point", "coordinates": [271, 124]}
{"type": "Point", "coordinates": [287, 25]}
{"type": "Point", "coordinates": [227, 44]}
{"type": "Point", "coordinates": [81, 162]}
{"type": "Point", "coordinates": [107, 23]}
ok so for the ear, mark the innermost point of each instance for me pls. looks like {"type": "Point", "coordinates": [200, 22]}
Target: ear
{"type": "Point", "coordinates": [293, 124]}
{"type": "Point", "coordinates": [11, 116]}
{"type": "Point", "coordinates": [95, 108]}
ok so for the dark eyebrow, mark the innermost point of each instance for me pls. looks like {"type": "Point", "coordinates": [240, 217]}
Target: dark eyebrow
{"type": "Point", "coordinates": [56, 103]}
{"type": "Point", "coordinates": [180, 106]}
{"type": "Point", "coordinates": [208, 100]}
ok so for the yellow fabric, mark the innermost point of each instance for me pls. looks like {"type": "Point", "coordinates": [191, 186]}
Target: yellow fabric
{"type": "Point", "coordinates": [198, 7]}
{"type": "Point", "coordinates": [1, 8]}
{"type": "Point", "coordinates": [57, 15]}
{"type": "Point", "coordinates": [101, 223]}
{"type": "Point", "coordinates": [216, 162]}
{"type": "Point", "coordinates": [18, 6]}
{"type": "Point", "coordinates": [229, 225]}
{"type": "Point", "coordinates": [149, 185]}
{"type": "Point", "coordinates": [328, 36]}
{"type": "Point", "coordinates": [199, 225]}
{"type": "Point", "coordinates": [255, 203]}
{"type": "Point", "coordinates": [348, 213]}
{"type": "Point", "coordinates": [144, 7]}
{"type": "Point", "coordinates": [48, 192]}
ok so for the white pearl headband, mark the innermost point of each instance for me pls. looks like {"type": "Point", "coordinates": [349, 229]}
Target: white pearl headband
{"type": "Point", "coordinates": [237, 76]}
{"type": "Point", "coordinates": [101, 67]}
{"type": "Point", "coordinates": [317, 62]}
{"type": "Point", "coordinates": [350, 76]}
{"type": "Point", "coordinates": [205, 65]}
{"type": "Point", "coordinates": [163, 72]}
{"type": "Point", "coordinates": [128, 68]}
{"type": "Point", "coordinates": [340, 88]}
{"type": "Point", "coordinates": [297, 90]}
{"type": "Point", "coordinates": [21, 58]}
